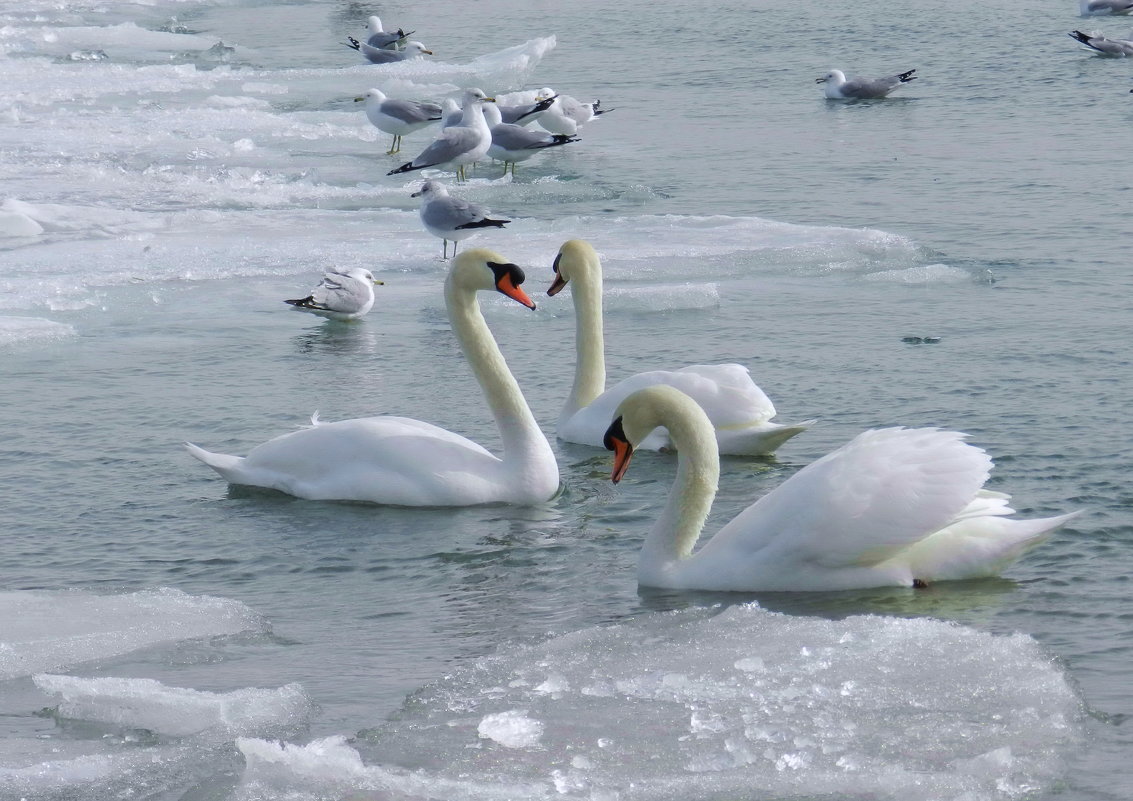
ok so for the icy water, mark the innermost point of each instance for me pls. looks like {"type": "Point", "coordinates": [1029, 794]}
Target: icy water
{"type": "Point", "coordinates": [166, 636]}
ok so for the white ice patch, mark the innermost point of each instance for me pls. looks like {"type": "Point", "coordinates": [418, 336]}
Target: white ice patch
{"type": "Point", "coordinates": [923, 274]}
{"type": "Point", "coordinates": [55, 630]}
{"type": "Point", "coordinates": [511, 729]}
{"type": "Point", "coordinates": [14, 330]}
{"type": "Point", "coordinates": [711, 703]}
{"type": "Point", "coordinates": [177, 711]}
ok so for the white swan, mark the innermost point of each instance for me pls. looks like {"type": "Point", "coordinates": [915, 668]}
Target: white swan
{"type": "Point", "coordinates": [893, 507]}
{"type": "Point", "coordinates": [397, 460]}
{"type": "Point", "coordinates": [739, 409]}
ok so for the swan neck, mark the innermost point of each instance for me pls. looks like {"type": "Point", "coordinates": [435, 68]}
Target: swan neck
{"type": "Point", "coordinates": [524, 444]}
{"type": "Point", "coordinates": [690, 500]}
{"type": "Point", "coordinates": [589, 344]}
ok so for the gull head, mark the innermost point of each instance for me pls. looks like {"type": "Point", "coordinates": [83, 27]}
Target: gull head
{"type": "Point", "coordinates": [417, 48]}
{"type": "Point", "coordinates": [430, 189]}
{"type": "Point", "coordinates": [834, 76]}
{"type": "Point", "coordinates": [376, 95]}
{"type": "Point", "coordinates": [472, 96]}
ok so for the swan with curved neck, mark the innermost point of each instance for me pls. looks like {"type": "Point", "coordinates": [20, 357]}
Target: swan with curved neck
{"type": "Point", "coordinates": [893, 507]}
{"type": "Point", "coordinates": [401, 461]}
{"type": "Point", "coordinates": [739, 410]}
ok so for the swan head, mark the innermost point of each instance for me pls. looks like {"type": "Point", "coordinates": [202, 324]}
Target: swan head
{"type": "Point", "coordinates": [576, 260]}
{"type": "Point", "coordinates": [836, 77]}
{"type": "Point", "coordinates": [480, 268]}
{"type": "Point", "coordinates": [372, 95]}
{"type": "Point", "coordinates": [643, 411]}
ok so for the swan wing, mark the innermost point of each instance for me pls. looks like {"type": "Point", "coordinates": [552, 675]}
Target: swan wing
{"type": "Point", "coordinates": [857, 506]}
{"type": "Point", "coordinates": [391, 460]}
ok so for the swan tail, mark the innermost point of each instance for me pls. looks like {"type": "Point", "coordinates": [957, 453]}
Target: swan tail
{"type": "Point", "coordinates": [761, 440]}
{"type": "Point", "coordinates": [222, 463]}
{"type": "Point", "coordinates": [979, 547]}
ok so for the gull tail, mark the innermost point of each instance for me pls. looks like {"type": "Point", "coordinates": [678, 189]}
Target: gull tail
{"type": "Point", "coordinates": [353, 43]}
{"type": "Point", "coordinates": [484, 223]}
{"type": "Point", "coordinates": [305, 303]}
{"type": "Point", "coordinates": [406, 167]}
{"type": "Point", "coordinates": [597, 110]}
{"type": "Point", "coordinates": [542, 105]}
{"type": "Point", "coordinates": [905, 77]}
{"type": "Point", "coordinates": [1084, 38]}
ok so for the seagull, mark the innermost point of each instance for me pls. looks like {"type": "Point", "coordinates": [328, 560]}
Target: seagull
{"type": "Point", "coordinates": [1099, 43]}
{"type": "Point", "coordinates": [377, 55]}
{"type": "Point", "coordinates": [512, 143]}
{"type": "Point", "coordinates": [839, 88]}
{"type": "Point", "coordinates": [566, 115]}
{"type": "Point", "coordinates": [1097, 8]}
{"type": "Point", "coordinates": [383, 39]}
{"type": "Point", "coordinates": [460, 144]}
{"type": "Point", "coordinates": [397, 117]}
{"type": "Point", "coordinates": [451, 218]}
{"type": "Point", "coordinates": [341, 295]}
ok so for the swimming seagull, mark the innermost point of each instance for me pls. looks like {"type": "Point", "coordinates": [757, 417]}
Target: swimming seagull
{"type": "Point", "coordinates": [566, 114]}
{"type": "Point", "coordinates": [377, 55]}
{"type": "Point", "coordinates": [1097, 8]}
{"type": "Point", "coordinates": [341, 295]}
{"type": "Point", "coordinates": [451, 218]}
{"type": "Point", "coordinates": [459, 145]}
{"type": "Point", "coordinates": [1099, 43]}
{"type": "Point", "coordinates": [513, 143]}
{"type": "Point", "coordinates": [397, 117]}
{"type": "Point", "coordinates": [839, 88]}
{"type": "Point", "coordinates": [383, 39]}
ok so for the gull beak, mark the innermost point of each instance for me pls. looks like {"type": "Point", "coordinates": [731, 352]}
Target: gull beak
{"type": "Point", "coordinates": [820, 80]}
{"type": "Point", "coordinates": [359, 100]}
{"type": "Point", "coordinates": [489, 100]}
{"type": "Point", "coordinates": [379, 283]}
{"type": "Point", "coordinates": [427, 52]}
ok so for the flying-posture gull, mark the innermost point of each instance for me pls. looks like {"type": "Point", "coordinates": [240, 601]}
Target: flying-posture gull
{"type": "Point", "coordinates": [341, 295]}
{"type": "Point", "coordinates": [397, 117]}
{"type": "Point", "coordinates": [383, 39]}
{"type": "Point", "coordinates": [1101, 44]}
{"type": "Point", "coordinates": [378, 55]}
{"type": "Point", "coordinates": [1097, 8]}
{"type": "Point", "coordinates": [459, 145]}
{"type": "Point", "coordinates": [512, 143]}
{"type": "Point", "coordinates": [451, 218]}
{"type": "Point", "coordinates": [838, 87]}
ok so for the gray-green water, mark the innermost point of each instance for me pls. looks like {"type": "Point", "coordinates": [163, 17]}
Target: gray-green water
{"type": "Point", "coordinates": [741, 218]}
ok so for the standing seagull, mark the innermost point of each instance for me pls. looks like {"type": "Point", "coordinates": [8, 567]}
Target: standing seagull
{"type": "Point", "coordinates": [341, 295]}
{"type": "Point", "coordinates": [839, 88]}
{"type": "Point", "coordinates": [512, 143]}
{"type": "Point", "coordinates": [451, 218]}
{"type": "Point", "coordinates": [378, 55]}
{"type": "Point", "coordinates": [462, 144]}
{"type": "Point", "coordinates": [397, 117]}
{"type": "Point", "coordinates": [383, 39]}
{"type": "Point", "coordinates": [1097, 8]}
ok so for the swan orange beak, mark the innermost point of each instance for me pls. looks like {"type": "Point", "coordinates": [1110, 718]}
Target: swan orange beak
{"type": "Point", "coordinates": [616, 441]}
{"type": "Point", "coordinates": [508, 279]}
